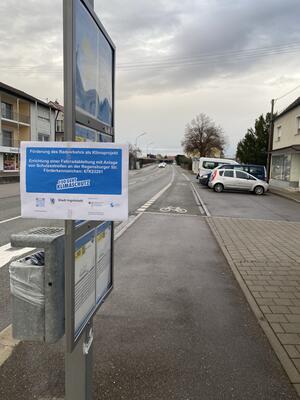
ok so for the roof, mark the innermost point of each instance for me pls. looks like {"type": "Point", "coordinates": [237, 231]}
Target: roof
{"type": "Point", "coordinates": [295, 104]}
{"type": "Point", "coordinates": [288, 149]}
{"type": "Point", "coordinates": [55, 104]}
{"type": "Point", "coordinates": [16, 92]}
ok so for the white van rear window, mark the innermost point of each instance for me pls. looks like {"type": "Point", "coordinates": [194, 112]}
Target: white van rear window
{"type": "Point", "coordinates": [210, 164]}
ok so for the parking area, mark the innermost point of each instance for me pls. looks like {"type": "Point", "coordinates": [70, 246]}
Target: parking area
{"type": "Point", "coordinates": [247, 205]}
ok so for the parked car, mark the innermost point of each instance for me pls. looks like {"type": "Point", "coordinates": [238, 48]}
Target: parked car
{"type": "Point", "coordinates": [162, 165]}
{"type": "Point", "coordinates": [223, 179]}
{"type": "Point", "coordinates": [207, 164]}
{"type": "Point", "coordinates": [259, 171]}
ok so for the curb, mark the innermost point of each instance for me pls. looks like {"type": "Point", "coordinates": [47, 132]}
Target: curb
{"type": "Point", "coordinates": [279, 350]}
{"type": "Point", "coordinates": [7, 344]}
{"type": "Point", "coordinates": [285, 195]}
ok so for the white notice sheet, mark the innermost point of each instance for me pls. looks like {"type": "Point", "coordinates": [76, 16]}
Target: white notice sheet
{"type": "Point", "coordinates": [85, 295]}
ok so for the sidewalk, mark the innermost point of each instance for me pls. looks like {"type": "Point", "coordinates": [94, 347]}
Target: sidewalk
{"type": "Point", "coordinates": [176, 327]}
{"type": "Point", "coordinates": [295, 196]}
{"type": "Point", "coordinates": [265, 259]}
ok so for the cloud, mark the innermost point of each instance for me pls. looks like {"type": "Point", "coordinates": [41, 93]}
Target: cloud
{"type": "Point", "coordinates": [175, 58]}
{"type": "Point", "coordinates": [162, 48]}
{"type": "Point", "coordinates": [31, 46]}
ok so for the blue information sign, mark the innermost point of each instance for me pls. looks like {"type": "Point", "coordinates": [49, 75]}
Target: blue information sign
{"type": "Point", "coordinates": [74, 180]}
{"type": "Point", "coordinates": [76, 170]}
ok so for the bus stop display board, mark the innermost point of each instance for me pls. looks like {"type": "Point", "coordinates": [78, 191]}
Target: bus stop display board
{"type": "Point", "coordinates": [89, 76]}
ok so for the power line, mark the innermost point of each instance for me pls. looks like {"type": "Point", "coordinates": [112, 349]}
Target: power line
{"type": "Point", "coordinates": [258, 50]}
{"type": "Point", "coordinates": [176, 62]}
{"type": "Point", "coordinates": [286, 94]}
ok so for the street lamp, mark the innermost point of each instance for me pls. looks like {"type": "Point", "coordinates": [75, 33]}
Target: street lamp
{"type": "Point", "coordinates": [148, 144]}
{"type": "Point", "coordinates": [136, 139]}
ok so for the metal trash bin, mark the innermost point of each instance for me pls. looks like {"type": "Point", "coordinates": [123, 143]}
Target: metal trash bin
{"type": "Point", "coordinates": [37, 286]}
{"type": "Point", "coordinates": [28, 299]}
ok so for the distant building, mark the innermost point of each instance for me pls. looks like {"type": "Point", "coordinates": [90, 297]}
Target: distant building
{"type": "Point", "coordinates": [22, 117]}
{"type": "Point", "coordinates": [59, 120]}
{"type": "Point", "coordinates": [285, 163]}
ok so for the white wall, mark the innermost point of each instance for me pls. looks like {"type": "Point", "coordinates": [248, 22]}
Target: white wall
{"type": "Point", "coordinates": [289, 129]}
{"type": "Point", "coordinates": [295, 168]}
{"type": "Point", "coordinates": [195, 166]}
{"type": "Point", "coordinates": [42, 121]}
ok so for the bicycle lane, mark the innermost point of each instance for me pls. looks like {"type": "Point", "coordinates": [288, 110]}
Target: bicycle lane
{"type": "Point", "coordinates": [178, 199]}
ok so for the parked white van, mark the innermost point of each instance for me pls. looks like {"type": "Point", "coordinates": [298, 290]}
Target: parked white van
{"type": "Point", "coordinates": [207, 164]}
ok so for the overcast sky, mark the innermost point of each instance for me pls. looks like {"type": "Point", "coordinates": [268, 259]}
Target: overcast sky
{"type": "Point", "coordinates": [175, 59]}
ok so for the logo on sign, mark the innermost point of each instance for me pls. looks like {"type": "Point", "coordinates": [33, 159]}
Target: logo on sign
{"type": "Point", "coordinates": [71, 183]}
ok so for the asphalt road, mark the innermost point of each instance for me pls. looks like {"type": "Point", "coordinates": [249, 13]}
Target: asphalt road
{"type": "Point", "coordinates": [143, 184]}
{"type": "Point", "coordinates": [176, 326]}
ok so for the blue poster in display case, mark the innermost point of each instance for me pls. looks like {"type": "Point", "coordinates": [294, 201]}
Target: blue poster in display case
{"type": "Point", "coordinates": [84, 134]}
{"type": "Point", "coordinates": [94, 68]}
{"type": "Point", "coordinates": [105, 81]}
{"type": "Point", "coordinates": [86, 67]}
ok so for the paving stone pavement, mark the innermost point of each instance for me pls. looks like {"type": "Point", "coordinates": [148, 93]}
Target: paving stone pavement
{"type": "Point", "coordinates": [266, 254]}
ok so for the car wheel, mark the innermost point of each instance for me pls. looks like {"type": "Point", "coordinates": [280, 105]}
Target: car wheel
{"type": "Point", "coordinates": [218, 187]}
{"type": "Point", "coordinates": [259, 190]}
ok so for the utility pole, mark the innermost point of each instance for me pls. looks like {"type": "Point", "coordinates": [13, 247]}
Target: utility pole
{"type": "Point", "coordinates": [270, 140]}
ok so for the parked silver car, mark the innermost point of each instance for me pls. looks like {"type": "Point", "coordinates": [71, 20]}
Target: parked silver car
{"type": "Point", "coordinates": [222, 179]}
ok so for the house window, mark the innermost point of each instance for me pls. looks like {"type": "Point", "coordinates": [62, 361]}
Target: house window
{"type": "Point", "coordinates": [6, 110]}
{"type": "Point", "coordinates": [10, 162]}
{"type": "Point", "coordinates": [281, 167]}
{"type": "Point", "coordinates": [298, 126]}
{"type": "Point", "coordinates": [60, 125]}
{"type": "Point", "coordinates": [278, 133]}
{"type": "Point", "coordinates": [43, 138]}
{"type": "Point", "coordinates": [7, 138]}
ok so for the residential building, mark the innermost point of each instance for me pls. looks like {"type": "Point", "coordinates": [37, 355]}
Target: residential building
{"type": "Point", "coordinates": [285, 162]}
{"type": "Point", "coordinates": [59, 120]}
{"type": "Point", "coordinates": [22, 117]}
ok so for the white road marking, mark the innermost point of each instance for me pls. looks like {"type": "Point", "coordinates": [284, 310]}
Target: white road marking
{"type": "Point", "coordinates": [188, 179]}
{"type": "Point", "coordinates": [172, 208]}
{"type": "Point", "coordinates": [125, 225]}
{"type": "Point", "coordinates": [10, 219]}
{"type": "Point", "coordinates": [148, 203]}
{"type": "Point", "coordinates": [172, 214]}
{"type": "Point", "coordinates": [200, 200]}
{"type": "Point", "coordinates": [7, 253]}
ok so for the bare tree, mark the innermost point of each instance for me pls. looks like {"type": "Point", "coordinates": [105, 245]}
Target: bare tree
{"type": "Point", "coordinates": [203, 136]}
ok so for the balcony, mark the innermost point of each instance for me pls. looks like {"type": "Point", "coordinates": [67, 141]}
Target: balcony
{"type": "Point", "coordinates": [9, 143]}
{"type": "Point", "coordinates": [15, 117]}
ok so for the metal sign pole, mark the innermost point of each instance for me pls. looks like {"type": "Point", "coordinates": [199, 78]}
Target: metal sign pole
{"type": "Point", "coordinates": [78, 360]}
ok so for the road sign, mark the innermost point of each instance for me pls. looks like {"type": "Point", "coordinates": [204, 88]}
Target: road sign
{"type": "Point", "coordinates": [74, 181]}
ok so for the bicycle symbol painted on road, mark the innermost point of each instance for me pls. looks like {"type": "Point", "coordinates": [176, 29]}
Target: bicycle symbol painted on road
{"type": "Point", "coordinates": [173, 209]}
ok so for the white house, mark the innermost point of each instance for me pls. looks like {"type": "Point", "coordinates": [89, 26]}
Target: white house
{"type": "Point", "coordinates": [285, 162]}
{"type": "Point", "coordinates": [22, 117]}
